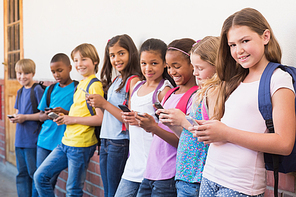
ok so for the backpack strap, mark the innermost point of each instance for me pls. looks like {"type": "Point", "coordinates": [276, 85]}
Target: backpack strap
{"type": "Point", "coordinates": [33, 98]}
{"type": "Point", "coordinates": [182, 104]}
{"type": "Point", "coordinates": [87, 89]}
{"type": "Point", "coordinates": [154, 97]}
{"type": "Point", "coordinates": [169, 93]}
{"type": "Point", "coordinates": [127, 87]}
{"type": "Point", "coordinates": [265, 108]}
{"type": "Point", "coordinates": [137, 87]}
{"type": "Point", "coordinates": [160, 84]}
{"type": "Point", "coordinates": [125, 102]}
{"type": "Point", "coordinates": [49, 91]}
{"type": "Point", "coordinates": [18, 96]}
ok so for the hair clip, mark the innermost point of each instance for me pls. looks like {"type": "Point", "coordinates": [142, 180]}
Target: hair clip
{"type": "Point", "coordinates": [195, 43]}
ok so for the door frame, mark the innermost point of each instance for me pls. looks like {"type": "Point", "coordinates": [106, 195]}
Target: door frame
{"type": "Point", "coordinates": [9, 83]}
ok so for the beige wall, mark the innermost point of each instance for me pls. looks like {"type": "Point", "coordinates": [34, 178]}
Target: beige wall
{"type": "Point", "coordinates": [58, 26]}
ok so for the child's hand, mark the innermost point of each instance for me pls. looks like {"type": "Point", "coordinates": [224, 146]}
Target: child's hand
{"type": "Point", "coordinates": [19, 118]}
{"type": "Point", "coordinates": [59, 110]}
{"type": "Point", "coordinates": [43, 116]}
{"type": "Point", "coordinates": [147, 122]}
{"type": "Point", "coordinates": [64, 119]}
{"type": "Point", "coordinates": [210, 131]}
{"type": "Point", "coordinates": [171, 117]}
{"type": "Point", "coordinates": [13, 120]}
{"type": "Point", "coordinates": [95, 100]}
{"type": "Point", "coordinates": [129, 118]}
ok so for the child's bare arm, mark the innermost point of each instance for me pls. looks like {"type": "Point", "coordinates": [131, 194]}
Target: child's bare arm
{"type": "Point", "coordinates": [20, 118]}
{"type": "Point", "coordinates": [95, 120]}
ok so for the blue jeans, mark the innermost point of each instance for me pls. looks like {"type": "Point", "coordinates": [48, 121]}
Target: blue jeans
{"type": "Point", "coordinates": [186, 189]}
{"type": "Point", "coordinates": [76, 159]}
{"type": "Point", "coordinates": [42, 153]}
{"type": "Point", "coordinates": [26, 166]}
{"type": "Point", "coordinates": [211, 189]}
{"type": "Point", "coordinates": [127, 188]}
{"type": "Point", "coordinates": [165, 188]}
{"type": "Point", "coordinates": [113, 156]}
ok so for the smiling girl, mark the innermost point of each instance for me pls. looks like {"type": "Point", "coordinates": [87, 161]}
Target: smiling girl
{"type": "Point", "coordinates": [159, 177]}
{"type": "Point", "coordinates": [120, 54]}
{"type": "Point", "coordinates": [235, 162]}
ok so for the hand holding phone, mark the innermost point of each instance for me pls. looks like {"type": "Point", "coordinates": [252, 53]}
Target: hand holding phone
{"type": "Point", "coordinates": [124, 108]}
{"type": "Point", "coordinates": [10, 116]}
{"type": "Point", "coordinates": [141, 114]}
{"type": "Point", "coordinates": [158, 105]}
{"type": "Point", "coordinates": [191, 120]}
{"type": "Point", "coordinates": [53, 115]}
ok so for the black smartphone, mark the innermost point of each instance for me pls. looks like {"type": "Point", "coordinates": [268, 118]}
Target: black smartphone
{"type": "Point", "coordinates": [47, 108]}
{"type": "Point", "coordinates": [124, 108]}
{"type": "Point", "coordinates": [10, 116]}
{"type": "Point", "coordinates": [158, 105]}
{"type": "Point", "coordinates": [141, 114]}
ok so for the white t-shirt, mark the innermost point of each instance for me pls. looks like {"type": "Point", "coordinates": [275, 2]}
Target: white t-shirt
{"type": "Point", "coordinates": [140, 140]}
{"type": "Point", "coordinates": [231, 165]}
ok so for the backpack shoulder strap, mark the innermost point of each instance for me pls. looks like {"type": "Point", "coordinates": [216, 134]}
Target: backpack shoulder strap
{"type": "Point", "coordinates": [137, 87]}
{"type": "Point", "coordinates": [18, 96]}
{"type": "Point", "coordinates": [87, 89]}
{"type": "Point", "coordinates": [33, 98]}
{"type": "Point", "coordinates": [49, 91]}
{"type": "Point", "coordinates": [127, 87]}
{"type": "Point", "coordinates": [154, 97]}
{"type": "Point", "coordinates": [182, 104]}
{"type": "Point", "coordinates": [75, 83]}
{"type": "Point", "coordinates": [264, 99]}
{"type": "Point", "coordinates": [169, 93]}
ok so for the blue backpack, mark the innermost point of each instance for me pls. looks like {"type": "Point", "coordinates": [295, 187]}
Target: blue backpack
{"type": "Point", "coordinates": [276, 163]}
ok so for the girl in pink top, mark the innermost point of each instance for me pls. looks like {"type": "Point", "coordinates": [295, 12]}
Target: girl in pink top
{"type": "Point", "coordinates": [235, 163]}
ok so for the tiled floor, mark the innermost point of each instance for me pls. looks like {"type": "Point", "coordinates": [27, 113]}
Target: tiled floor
{"type": "Point", "coordinates": [7, 180]}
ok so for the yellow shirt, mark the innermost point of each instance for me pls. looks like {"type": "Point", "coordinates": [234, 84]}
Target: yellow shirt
{"type": "Point", "coordinates": [78, 135]}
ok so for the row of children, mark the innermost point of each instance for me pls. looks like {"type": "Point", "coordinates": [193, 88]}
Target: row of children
{"type": "Point", "coordinates": [161, 153]}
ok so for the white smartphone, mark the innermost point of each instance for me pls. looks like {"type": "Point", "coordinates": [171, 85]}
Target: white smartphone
{"type": "Point", "coordinates": [53, 115]}
{"type": "Point", "coordinates": [191, 120]}
{"type": "Point", "coordinates": [84, 91]}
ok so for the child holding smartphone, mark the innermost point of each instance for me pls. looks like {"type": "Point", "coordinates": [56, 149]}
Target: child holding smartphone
{"type": "Point", "coordinates": [157, 83]}
{"type": "Point", "coordinates": [191, 154]}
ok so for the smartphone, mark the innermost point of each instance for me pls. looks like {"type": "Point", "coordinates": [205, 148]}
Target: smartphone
{"type": "Point", "coordinates": [10, 116]}
{"type": "Point", "coordinates": [141, 114]}
{"type": "Point", "coordinates": [47, 108]}
{"type": "Point", "coordinates": [192, 121]}
{"type": "Point", "coordinates": [158, 105]}
{"type": "Point", "coordinates": [84, 91]}
{"type": "Point", "coordinates": [124, 108]}
{"type": "Point", "coordinates": [53, 115]}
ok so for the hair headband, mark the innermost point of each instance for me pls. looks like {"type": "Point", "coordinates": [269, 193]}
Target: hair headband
{"type": "Point", "coordinates": [179, 50]}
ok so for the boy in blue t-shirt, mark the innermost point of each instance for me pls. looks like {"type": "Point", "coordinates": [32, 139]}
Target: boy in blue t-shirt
{"type": "Point", "coordinates": [61, 99]}
{"type": "Point", "coordinates": [27, 128]}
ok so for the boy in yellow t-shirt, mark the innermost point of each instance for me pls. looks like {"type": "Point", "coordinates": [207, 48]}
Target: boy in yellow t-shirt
{"type": "Point", "coordinates": [79, 141]}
